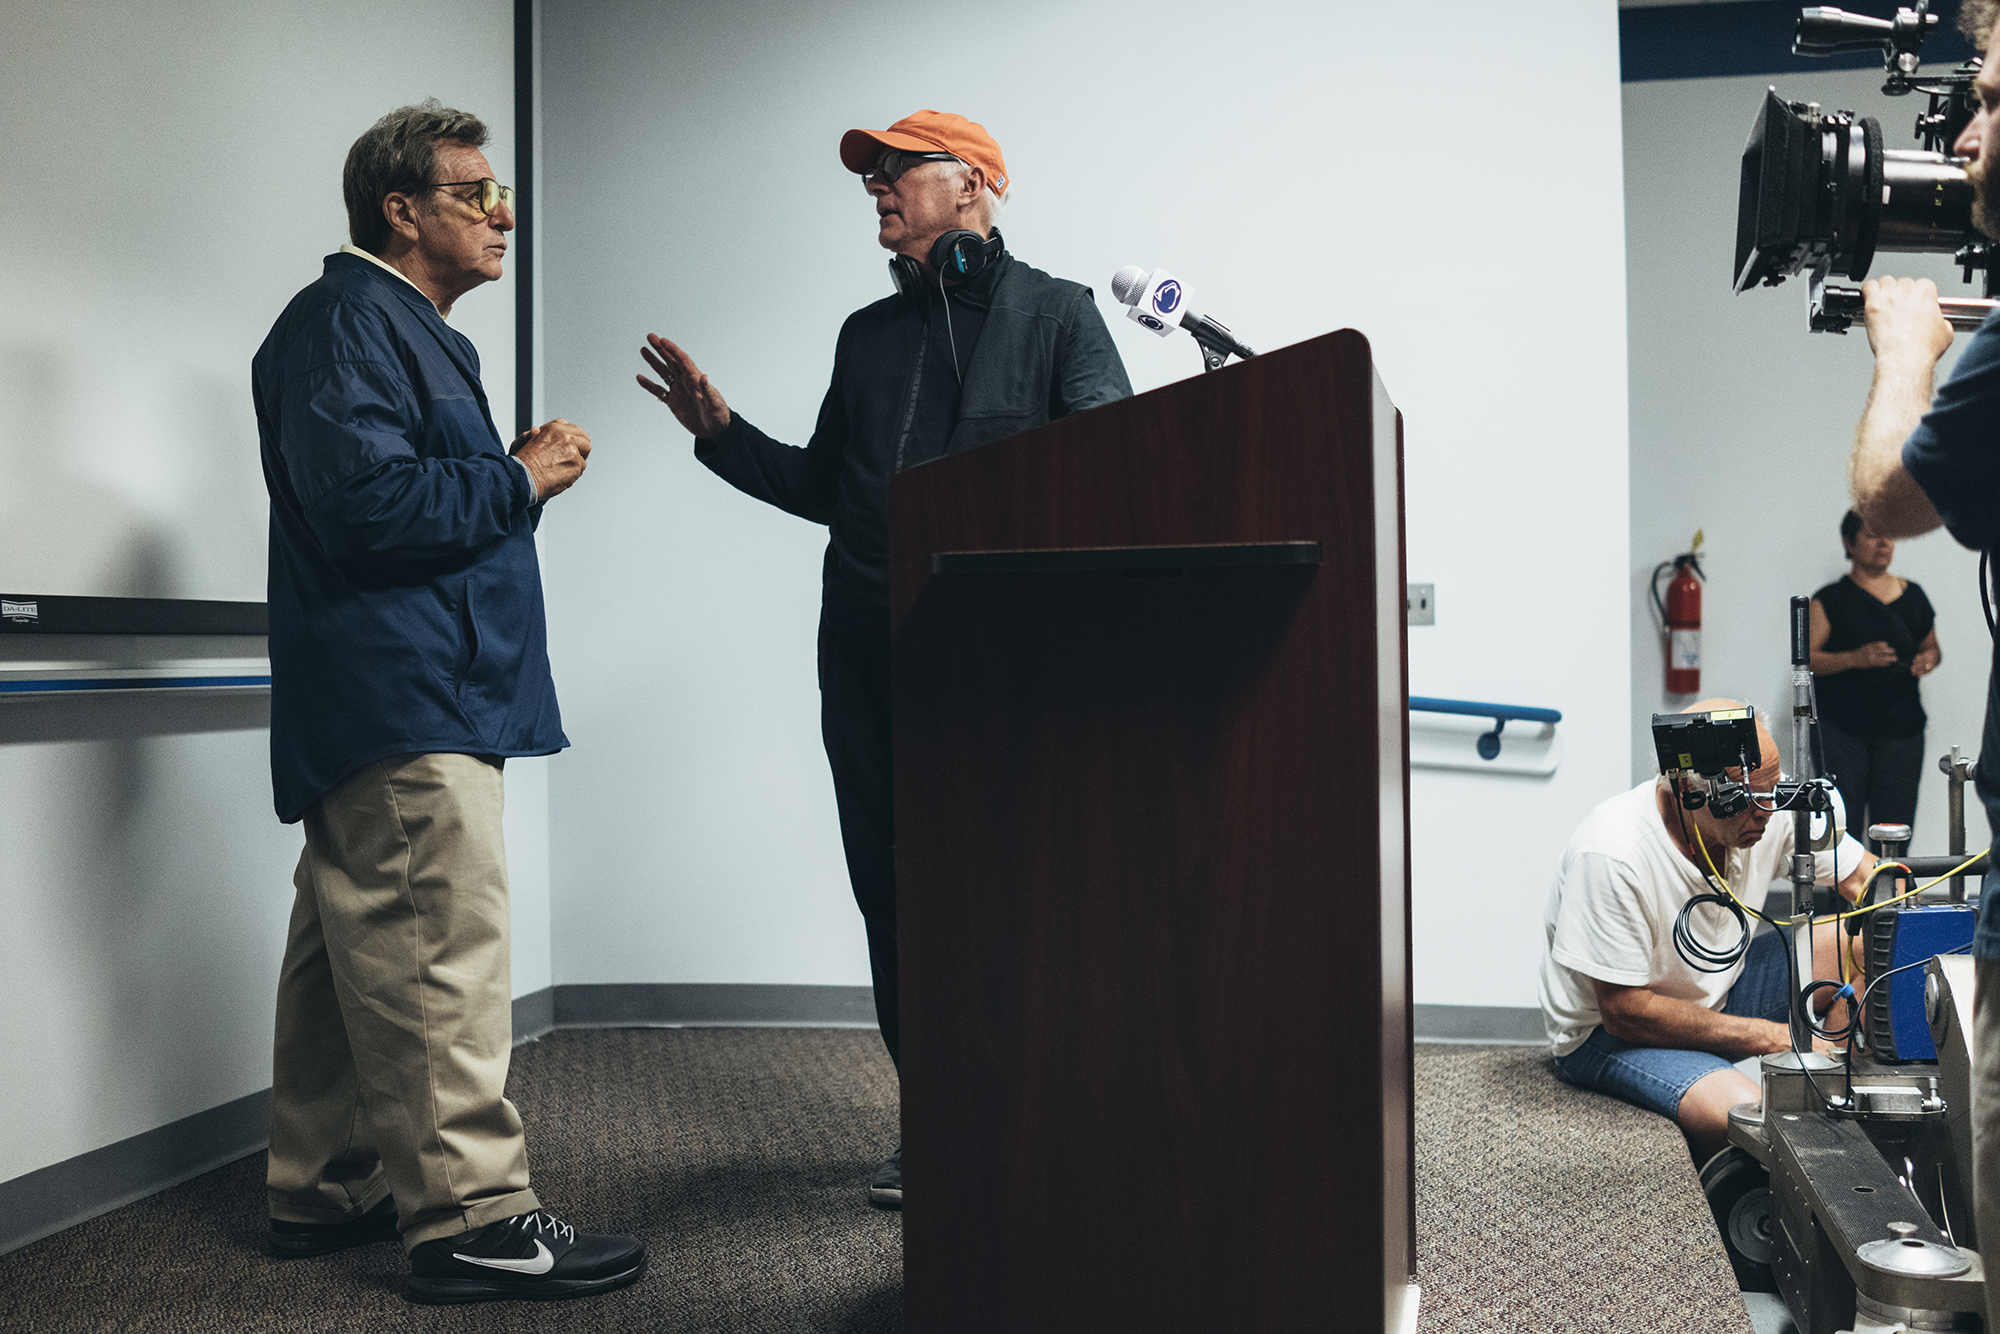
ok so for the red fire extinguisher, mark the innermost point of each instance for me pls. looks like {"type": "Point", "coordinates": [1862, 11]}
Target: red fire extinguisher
{"type": "Point", "coordinates": [1680, 617]}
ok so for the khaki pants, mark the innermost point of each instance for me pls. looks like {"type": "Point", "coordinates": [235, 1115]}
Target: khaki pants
{"type": "Point", "coordinates": [395, 1012]}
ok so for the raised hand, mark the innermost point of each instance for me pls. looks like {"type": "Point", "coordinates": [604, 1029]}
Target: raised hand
{"type": "Point", "coordinates": [555, 453]}
{"type": "Point", "coordinates": [694, 401]}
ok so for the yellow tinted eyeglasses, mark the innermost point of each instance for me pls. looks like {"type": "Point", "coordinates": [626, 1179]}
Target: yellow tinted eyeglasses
{"type": "Point", "coordinates": [491, 195]}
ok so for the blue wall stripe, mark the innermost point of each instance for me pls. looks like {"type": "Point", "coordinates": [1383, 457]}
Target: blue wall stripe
{"type": "Point", "coordinates": [1753, 37]}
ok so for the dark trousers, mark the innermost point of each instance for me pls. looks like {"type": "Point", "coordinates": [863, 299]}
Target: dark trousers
{"type": "Point", "coordinates": [854, 723]}
{"type": "Point", "coordinates": [1877, 779]}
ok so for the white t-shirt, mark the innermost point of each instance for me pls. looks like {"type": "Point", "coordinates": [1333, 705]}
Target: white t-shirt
{"type": "Point", "coordinates": [1619, 886]}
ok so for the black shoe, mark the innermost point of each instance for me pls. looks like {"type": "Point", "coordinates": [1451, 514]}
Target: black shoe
{"type": "Point", "coordinates": [885, 1188]}
{"type": "Point", "coordinates": [299, 1240]}
{"type": "Point", "coordinates": [533, 1255]}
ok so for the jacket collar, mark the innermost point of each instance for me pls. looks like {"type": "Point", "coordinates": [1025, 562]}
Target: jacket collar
{"type": "Point", "coordinates": [348, 260]}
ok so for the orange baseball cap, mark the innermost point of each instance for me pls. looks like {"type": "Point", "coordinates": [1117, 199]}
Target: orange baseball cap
{"type": "Point", "coordinates": [928, 132]}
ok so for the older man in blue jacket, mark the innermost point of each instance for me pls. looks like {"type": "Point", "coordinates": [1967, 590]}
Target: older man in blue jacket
{"type": "Point", "coordinates": [408, 661]}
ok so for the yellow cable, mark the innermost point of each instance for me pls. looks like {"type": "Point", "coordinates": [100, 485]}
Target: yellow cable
{"type": "Point", "coordinates": [1715, 877]}
{"type": "Point", "coordinates": [1931, 884]}
{"type": "Point", "coordinates": [1839, 951]}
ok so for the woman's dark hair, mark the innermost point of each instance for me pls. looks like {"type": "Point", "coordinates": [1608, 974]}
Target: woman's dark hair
{"type": "Point", "coordinates": [1850, 527]}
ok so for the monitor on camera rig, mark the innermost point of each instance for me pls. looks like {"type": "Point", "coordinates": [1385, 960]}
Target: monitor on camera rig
{"type": "Point", "coordinates": [1705, 746]}
{"type": "Point", "coordinates": [1822, 194]}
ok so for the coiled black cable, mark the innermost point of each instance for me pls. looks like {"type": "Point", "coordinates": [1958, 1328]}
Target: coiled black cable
{"type": "Point", "coordinates": [1699, 956]}
{"type": "Point", "coordinates": [1842, 990]}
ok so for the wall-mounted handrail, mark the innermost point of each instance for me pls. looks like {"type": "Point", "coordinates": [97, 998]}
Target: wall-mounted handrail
{"type": "Point", "coordinates": [1501, 714]}
{"type": "Point", "coordinates": [1498, 712]}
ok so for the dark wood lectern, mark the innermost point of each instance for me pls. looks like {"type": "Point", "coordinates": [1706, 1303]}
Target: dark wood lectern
{"type": "Point", "coordinates": [1152, 863]}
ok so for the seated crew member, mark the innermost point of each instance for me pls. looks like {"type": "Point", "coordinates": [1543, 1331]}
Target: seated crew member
{"type": "Point", "coordinates": [1626, 1013]}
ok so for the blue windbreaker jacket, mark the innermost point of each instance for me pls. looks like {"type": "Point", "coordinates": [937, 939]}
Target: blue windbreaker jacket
{"type": "Point", "coordinates": [405, 596]}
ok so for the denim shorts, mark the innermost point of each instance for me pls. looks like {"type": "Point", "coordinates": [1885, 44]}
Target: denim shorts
{"type": "Point", "coordinates": [1657, 1078]}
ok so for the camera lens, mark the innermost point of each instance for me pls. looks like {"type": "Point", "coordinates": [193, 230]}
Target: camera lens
{"type": "Point", "coordinates": [1926, 204]}
{"type": "Point", "coordinates": [1821, 190]}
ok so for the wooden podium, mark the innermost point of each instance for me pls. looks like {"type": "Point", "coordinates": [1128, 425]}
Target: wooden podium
{"type": "Point", "coordinates": [1152, 863]}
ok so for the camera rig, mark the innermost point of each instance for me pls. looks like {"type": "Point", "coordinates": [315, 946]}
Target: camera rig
{"type": "Point", "coordinates": [1705, 746]}
{"type": "Point", "coordinates": [1847, 1188]}
{"type": "Point", "coordinates": [1821, 195]}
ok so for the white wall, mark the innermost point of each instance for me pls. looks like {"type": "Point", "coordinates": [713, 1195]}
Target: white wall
{"type": "Point", "coordinates": [172, 178]}
{"type": "Point", "coordinates": [1309, 167]}
{"type": "Point", "coordinates": [145, 892]}
{"type": "Point", "coordinates": [1741, 423]}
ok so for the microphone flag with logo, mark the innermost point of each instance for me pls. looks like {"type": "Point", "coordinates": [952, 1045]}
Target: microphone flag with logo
{"type": "Point", "coordinates": [1153, 300]}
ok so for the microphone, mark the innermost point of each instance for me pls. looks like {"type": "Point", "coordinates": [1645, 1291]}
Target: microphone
{"type": "Point", "coordinates": [1158, 301]}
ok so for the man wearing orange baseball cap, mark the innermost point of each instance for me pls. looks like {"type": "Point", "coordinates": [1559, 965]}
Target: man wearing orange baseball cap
{"type": "Point", "coordinates": [973, 346]}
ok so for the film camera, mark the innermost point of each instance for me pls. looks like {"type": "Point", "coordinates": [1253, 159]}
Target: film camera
{"type": "Point", "coordinates": [1822, 194]}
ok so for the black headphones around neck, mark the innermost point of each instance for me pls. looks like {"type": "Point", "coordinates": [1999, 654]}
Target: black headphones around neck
{"type": "Point", "coordinates": [959, 255]}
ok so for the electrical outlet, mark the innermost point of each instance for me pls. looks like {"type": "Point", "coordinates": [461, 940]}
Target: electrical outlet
{"type": "Point", "coordinates": [1420, 604]}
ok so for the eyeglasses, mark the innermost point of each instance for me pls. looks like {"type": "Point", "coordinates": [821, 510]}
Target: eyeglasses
{"type": "Point", "coordinates": [895, 162]}
{"type": "Point", "coordinates": [491, 195]}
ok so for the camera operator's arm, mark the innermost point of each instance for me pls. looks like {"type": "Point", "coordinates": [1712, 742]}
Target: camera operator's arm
{"type": "Point", "coordinates": [1908, 334]}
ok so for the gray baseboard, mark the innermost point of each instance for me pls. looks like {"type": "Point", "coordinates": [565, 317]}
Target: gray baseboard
{"type": "Point", "coordinates": [712, 1005]}
{"type": "Point", "coordinates": [1497, 1025]}
{"type": "Point", "coordinates": [67, 1193]}
{"type": "Point", "coordinates": [534, 1014]}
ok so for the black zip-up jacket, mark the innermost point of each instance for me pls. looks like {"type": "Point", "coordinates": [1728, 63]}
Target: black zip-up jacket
{"type": "Point", "coordinates": [1032, 348]}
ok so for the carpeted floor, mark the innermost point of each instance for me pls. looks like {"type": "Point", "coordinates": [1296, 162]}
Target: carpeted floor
{"type": "Point", "coordinates": [740, 1155]}
{"type": "Point", "coordinates": [1543, 1207]}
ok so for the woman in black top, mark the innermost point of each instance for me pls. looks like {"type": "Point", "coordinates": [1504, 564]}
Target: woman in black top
{"type": "Point", "coordinates": [1873, 634]}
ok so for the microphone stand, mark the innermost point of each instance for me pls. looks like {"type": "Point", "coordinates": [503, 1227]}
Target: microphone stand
{"type": "Point", "coordinates": [1802, 876]}
{"type": "Point", "coordinates": [1216, 347]}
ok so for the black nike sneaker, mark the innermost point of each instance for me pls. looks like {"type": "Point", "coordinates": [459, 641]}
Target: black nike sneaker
{"type": "Point", "coordinates": [533, 1256]}
{"type": "Point", "coordinates": [299, 1240]}
{"type": "Point", "coordinates": [885, 1188]}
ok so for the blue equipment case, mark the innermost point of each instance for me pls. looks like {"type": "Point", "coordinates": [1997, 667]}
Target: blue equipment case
{"type": "Point", "coordinates": [1898, 1029]}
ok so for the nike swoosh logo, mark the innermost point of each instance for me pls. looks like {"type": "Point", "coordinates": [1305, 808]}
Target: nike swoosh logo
{"type": "Point", "coordinates": [541, 1262]}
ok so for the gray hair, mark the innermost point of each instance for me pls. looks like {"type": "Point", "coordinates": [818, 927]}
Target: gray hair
{"type": "Point", "coordinates": [993, 205]}
{"type": "Point", "coordinates": [1975, 20]}
{"type": "Point", "coordinates": [398, 155]}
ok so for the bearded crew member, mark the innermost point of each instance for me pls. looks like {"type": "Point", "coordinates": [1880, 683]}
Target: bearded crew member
{"type": "Point", "coordinates": [1918, 463]}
